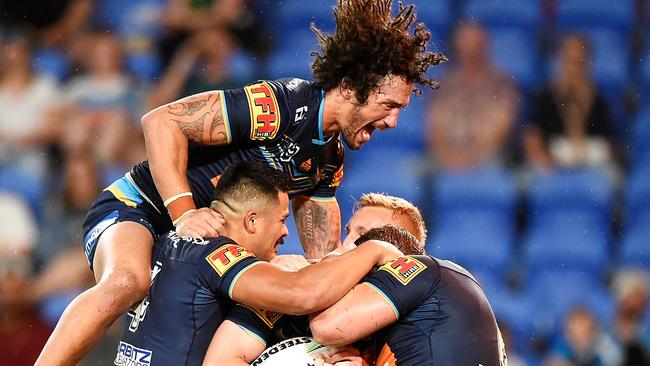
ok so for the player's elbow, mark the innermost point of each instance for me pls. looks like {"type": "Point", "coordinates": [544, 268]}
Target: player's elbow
{"type": "Point", "coordinates": [325, 332]}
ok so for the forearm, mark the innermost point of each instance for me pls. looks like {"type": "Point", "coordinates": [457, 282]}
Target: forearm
{"type": "Point", "coordinates": [326, 282]}
{"type": "Point", "coordinates": [168, 129]}
{"type": "Point", "coordinates": [167, 153]}
{"type": "Point", "coordinates": [319, 226]}
{"type": "Point", "coordinates": [310, 289]}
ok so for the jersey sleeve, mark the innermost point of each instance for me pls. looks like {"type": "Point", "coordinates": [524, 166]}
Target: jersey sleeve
{"type": "Point", "coordinates": [259, 323]}
{"type": "Point", "coordinates": [333, 175]}
{"type": "Point", "coordinates": [403, 283]}
{"type": "Point", "coordinates": [254, 113]}
{"type": "Point", "coordinates": [224, 265]}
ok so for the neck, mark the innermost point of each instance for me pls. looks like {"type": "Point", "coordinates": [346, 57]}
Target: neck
{"type": "Point", "coordinates": [235, 233]}
{"type": "Point", "coordinates": [332, 111]}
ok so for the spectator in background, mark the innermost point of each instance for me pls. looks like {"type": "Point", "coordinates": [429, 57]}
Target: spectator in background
{"type": "Point", "coordinates": [57, 23]}
{"type": "Point", "coordinates": [201, 64]}
{"type": "Point", "coordinates": [22, 332]}
{"type": "Point", "coordinates": [632, 290]}
{"type": "Point", "coordinates": [28, 112]}
{"type": "Point", "coordinates": [182, 18]}
{"type": "Point", "coordinates": [584, 343]}
{"type": "Point", "coordinates": [470, 121]}
{"type": "Point", "coordinates": [98, 118]}
{"type": "Point", "coordinates": [571, 123]}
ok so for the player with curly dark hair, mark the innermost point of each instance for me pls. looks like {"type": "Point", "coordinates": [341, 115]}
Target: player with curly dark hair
{"type": "Point", "coordinates": [369, 52]}
{"type": "Point", "coordinates": [364, 77]}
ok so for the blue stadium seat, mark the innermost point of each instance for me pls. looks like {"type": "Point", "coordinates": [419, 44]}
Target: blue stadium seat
{"type": "Point", "coordinates": [570, 222]}
{"type": "Point", "coordinates": [51, 62]}
{"type": "Point", "coordinates": [645, 67]}
{"type": "Point", "coordinates": [555, 293]}
{"type": "Point", "coordinates": [294, 60]}
{"type": "Point", "coordinates": [619, 14]}
{"type": "Point", "coordinates": [144, 66]}
{"type": "Point", "coordinates": [380, 169]}
{"type": "Point", "coordinates": [296, 15]}
{"type": "Point", "coordinates": [438, 16]}
{"type": "Point", "coordinates": [474, 219]}
{"type": "Point", "coordinates": [131, 18]}
{"type": "Point", "coordinates": [635, 249]}
{"type": "Point", "coordinates": [523, 14]}
{"type": "Point", "coordinates": [516, 53]}
{"type": "Point", "coordinates": [640, 140]}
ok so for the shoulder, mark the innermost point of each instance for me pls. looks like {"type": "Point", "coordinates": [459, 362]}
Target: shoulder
{"type": "Point", "coordinates": [443, 263]}
{"type": "Point", "coordinates": [407, 268]}
{"type": "Point", "coordinates": [296, 90]}
{"type": "Point", "coordinates": [186, 247]}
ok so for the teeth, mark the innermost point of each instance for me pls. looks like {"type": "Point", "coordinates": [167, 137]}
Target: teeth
{"type": "Point", "coordinates": [365, 134]}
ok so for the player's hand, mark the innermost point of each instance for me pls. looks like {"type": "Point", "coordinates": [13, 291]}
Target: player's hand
{"type": "Point", "coordinates": [202, 223]}
{"type": "Point", "coordinates": [388, 251]}
{"type": "Point", "coordinates": [341, 356]}
{"type": "Point", "coordinates": [338, 251]}
{"type": "Point", "coordinates": [292, 262]}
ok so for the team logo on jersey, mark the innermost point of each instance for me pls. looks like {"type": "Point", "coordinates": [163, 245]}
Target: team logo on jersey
{"type": "Point", "coordinates": [227, 256]}
{"type": "Point", "coordinates": [405, 269]}
{"type": "Point", "coordinates": [338, 177]}
{"type": "Point", "coordinates": [264, 110]}
{"type": "Point", "coordinates": [306, 165]}
{"type": "Point", "coordinates": [129, 355]}
{"type": "Point", "coordinates": [267, 316]}
{"type": "Point", "coordinates": [215, 180]}
{"type": "Point", "coordinates": [288, 149]}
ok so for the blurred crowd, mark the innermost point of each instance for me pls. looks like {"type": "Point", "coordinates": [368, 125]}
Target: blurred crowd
{"type": "Point", "coordinates": [531, 162]}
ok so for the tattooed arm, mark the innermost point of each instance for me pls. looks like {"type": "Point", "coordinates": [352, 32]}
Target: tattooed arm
{"type": "Point", "coordinates": [167, 131]}
{"type": "Point", "coordinates": [318, 224]}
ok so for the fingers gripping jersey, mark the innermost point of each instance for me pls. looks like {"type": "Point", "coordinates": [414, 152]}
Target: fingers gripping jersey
{"type": "Point", "coordinates": [443, 316]}
{"type": "Point", "coordinates": [276, 122]}
{"type": "Point", "coordinates": [190, 295]}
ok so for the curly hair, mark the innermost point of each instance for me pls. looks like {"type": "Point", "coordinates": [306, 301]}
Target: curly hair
{"type": "Point", "coordinates": [369, 44]}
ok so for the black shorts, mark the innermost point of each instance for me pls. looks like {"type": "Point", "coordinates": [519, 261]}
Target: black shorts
{"type": "Point", "coordinates": [121, 201]}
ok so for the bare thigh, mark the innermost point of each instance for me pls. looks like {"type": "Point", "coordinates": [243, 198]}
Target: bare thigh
{"type": "Point", "coordinates": [124, 249]}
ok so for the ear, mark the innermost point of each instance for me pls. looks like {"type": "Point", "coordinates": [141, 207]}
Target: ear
{"type": "Point", "coordinates": [249, 222]}
{"type": "Point", "coordinates": [346, 92]}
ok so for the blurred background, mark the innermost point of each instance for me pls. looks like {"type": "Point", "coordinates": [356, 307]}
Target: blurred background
{"type": "Point", "coordinates": [531, 163]}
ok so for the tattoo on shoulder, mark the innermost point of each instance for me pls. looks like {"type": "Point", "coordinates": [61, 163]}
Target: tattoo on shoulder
{"type": "Point", "coordinates": [200, 119]}
{"type": "Point", "coordinates": [186, 109]}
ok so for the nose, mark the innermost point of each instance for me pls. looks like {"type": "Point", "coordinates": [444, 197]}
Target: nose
{"type": "Point", "coordinates": [391, 120]}
{"type": "Point", "coordinates": [285, 231]}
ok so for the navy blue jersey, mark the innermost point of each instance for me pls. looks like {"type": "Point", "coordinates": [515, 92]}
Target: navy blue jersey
{"type": "Point", "coordinates": [443, 315]}
{"type": "Point", "coordinates": [189, 298]}
{"type": "Point", "coordinates": [276, 122]}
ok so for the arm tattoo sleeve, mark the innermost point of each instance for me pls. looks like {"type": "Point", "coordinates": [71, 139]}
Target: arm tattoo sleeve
{"type": "Point", "coordinates": [200, 118]}
{"type": "Point", "coordinates": [319, 227]}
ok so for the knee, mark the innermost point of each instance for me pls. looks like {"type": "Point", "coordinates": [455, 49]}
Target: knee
{"type": "Point", "coordinates": [124, 288]}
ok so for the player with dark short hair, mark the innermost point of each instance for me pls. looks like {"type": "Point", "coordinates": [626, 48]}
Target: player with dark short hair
{"type": "Point", "coordinates": [364, 75]}
{"type": "Point", "coordinates": [195, 282]}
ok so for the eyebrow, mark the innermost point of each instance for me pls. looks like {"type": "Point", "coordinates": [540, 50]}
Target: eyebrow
{"type": "Point", "coordinates": [394, 103]}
